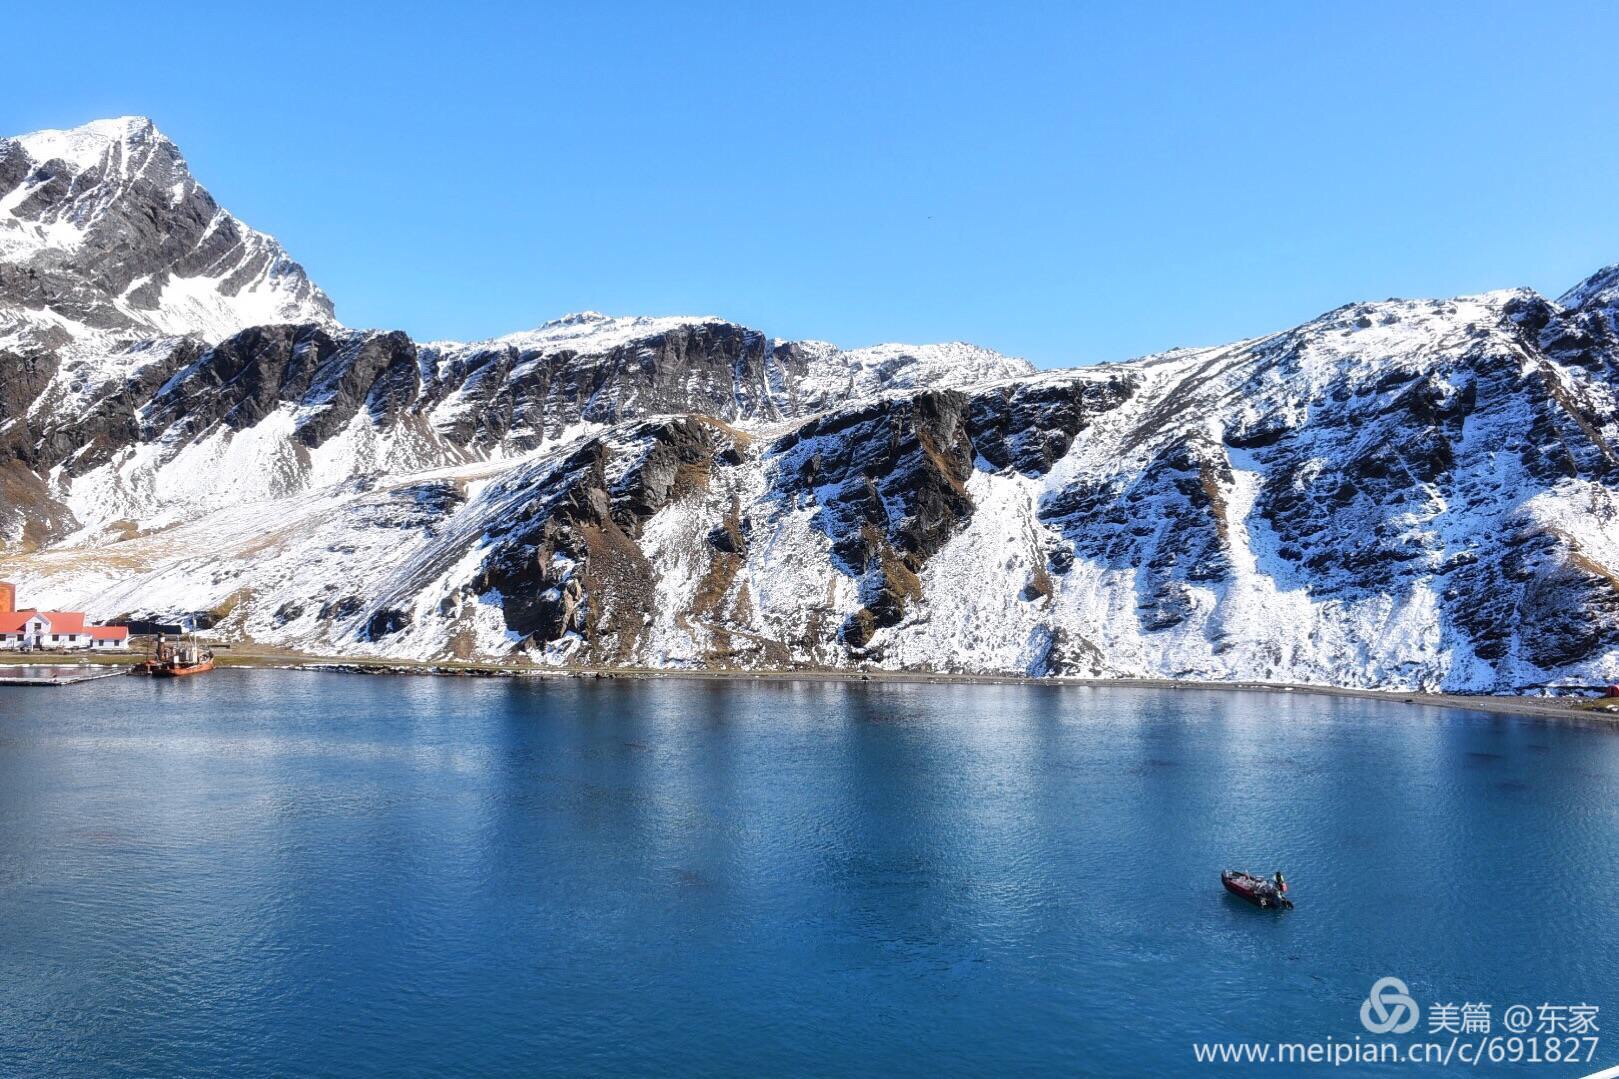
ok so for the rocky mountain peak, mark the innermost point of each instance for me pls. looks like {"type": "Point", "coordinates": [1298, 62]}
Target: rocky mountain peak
{"type": "Point", "coordinates": [115, 145]}
{"type": "Point", "coordinates": [1601, 289]}
{"type": "Point", "coordinates": [594, 332]}
{"type": "Point", "coordinates": [106, 236]}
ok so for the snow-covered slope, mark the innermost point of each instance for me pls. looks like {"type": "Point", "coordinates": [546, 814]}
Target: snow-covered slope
{"type": "Point", "coordinates": [1418, 494]}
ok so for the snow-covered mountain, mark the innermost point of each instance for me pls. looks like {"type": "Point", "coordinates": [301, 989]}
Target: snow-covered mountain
{"type": "Point", "coordinates": [1420, 494]}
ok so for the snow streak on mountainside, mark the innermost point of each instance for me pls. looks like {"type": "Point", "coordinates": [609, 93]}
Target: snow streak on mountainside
{"type": "Point", "coordinates": [1419, 494]}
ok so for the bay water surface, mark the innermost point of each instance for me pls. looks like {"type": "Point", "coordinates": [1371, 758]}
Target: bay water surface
{"type": "Point", "coordinates": [287, 873]}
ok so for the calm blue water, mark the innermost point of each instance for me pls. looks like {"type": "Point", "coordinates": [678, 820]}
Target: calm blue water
{"type": "Point", "coordinates": [257, 873]}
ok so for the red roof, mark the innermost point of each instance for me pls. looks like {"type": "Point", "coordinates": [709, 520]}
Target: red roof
{"type": "Point", "coordinates": [67, 622]}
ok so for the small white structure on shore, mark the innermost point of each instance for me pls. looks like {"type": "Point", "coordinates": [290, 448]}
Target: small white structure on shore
{"type": "Point", "coordinates": [36, 630]}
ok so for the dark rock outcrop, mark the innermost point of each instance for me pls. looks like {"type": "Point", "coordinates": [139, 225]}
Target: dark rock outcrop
{"type": "Point", "coordinates": [889, 483]}
{"type": "Point", "coordinates": [567, 563]}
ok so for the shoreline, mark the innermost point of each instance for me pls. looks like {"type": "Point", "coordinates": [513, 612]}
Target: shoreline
{"type": "Point", "coordinates": [1577, 709]}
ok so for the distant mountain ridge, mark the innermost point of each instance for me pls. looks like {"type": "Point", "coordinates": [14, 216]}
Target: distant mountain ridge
{"type": "Point", "coordinates": [1419, 494]}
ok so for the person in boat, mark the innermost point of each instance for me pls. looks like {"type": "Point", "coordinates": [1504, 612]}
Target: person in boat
{"type": "Point", "coordinates": [1260, 891]}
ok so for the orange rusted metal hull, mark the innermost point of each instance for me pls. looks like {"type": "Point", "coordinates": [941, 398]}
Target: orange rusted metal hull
{"type": "Point", "coordinates": [159, 670]}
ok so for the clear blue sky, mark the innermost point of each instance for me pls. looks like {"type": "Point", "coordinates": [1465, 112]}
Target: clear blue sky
{"type": "Point", "coordinates": [1064, 182]}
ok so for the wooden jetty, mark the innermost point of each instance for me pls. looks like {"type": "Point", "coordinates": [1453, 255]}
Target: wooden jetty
{"type": "Point", "coordinates": [46, 675]}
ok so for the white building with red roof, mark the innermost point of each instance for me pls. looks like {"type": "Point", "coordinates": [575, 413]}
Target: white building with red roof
{"type": "Point", "coordinates": [32, 629]}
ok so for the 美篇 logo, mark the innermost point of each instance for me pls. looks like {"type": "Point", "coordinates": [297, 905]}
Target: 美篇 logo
{"type": "Point", "coordinates": [1388, 1008]}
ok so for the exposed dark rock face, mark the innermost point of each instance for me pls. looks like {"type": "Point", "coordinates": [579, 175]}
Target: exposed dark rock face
{"type": "Point", "coordinates": [1169, 522]}
{"type": "Point", "coordinates": [343, 608]}
{"type": "Point", "coordinates": [567, 562]}
{"type": "Point", "coordinates": [714, 368]}
{"type": "Point", "coordinates": [56, 412]}
{"type": "Point", "coordinates": [889, 481]}
{"type": "Point", "coordinates": [28, 511]}
{"type": "Point", "coordinates": [22, 380]}
{"type": "Point", "coordinates": [1060, 653]}
{"type": "Point", "coordinates": [109, 420]}
{"type": "Point", "coordinates": [1029, 426]}
{"type": "Point", "coordinates": [385, 622]}
{"type": "Point", "coordinates": [729, 537]}
{"type": "Point", "coordinates": [242, 380]}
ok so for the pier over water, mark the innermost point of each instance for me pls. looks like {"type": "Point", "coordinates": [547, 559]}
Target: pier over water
{"type": "Point", "coordinates": [55, 674]}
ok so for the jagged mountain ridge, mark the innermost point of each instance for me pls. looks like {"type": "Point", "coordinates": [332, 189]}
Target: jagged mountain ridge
{"type": "Point", "coordinates": [1411, 493]}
